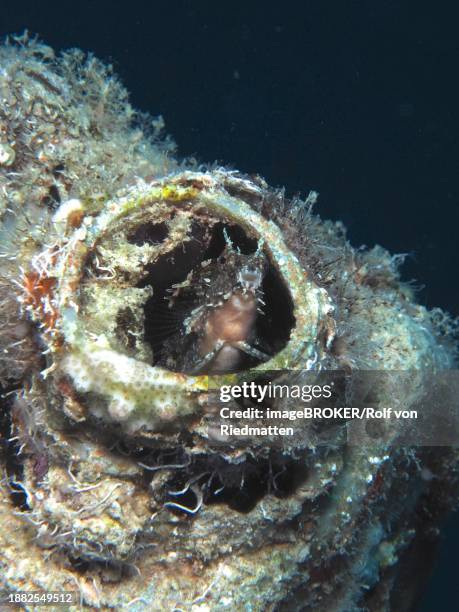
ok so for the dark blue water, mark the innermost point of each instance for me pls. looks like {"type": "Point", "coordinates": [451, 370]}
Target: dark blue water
{"type": "Point", "coordinates": [357, 100]}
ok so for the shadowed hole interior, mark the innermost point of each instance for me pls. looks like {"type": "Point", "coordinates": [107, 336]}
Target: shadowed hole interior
{"type": "Point", "coordinates": [273, 325]}
{"type": "Point", "coordinates": [150, 233]}
{"type": "Point", "coordinates": [239, 486]}
{"type": "Point", "coordinates": [9, 449]}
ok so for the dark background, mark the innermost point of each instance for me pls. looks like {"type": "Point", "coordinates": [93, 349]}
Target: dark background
{"type": "Point", "coordinates": [357, 99]}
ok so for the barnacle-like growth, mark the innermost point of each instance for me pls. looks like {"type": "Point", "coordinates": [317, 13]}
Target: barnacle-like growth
{"type": "Point", "coordinates": [131, 287]}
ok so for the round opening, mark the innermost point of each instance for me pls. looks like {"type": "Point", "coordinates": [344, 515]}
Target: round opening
{"type": "Point", "coordinates": [218, 304]}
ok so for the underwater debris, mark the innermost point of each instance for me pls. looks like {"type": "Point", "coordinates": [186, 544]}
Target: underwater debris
{"type": "Point", "coordinates": [127, 278]}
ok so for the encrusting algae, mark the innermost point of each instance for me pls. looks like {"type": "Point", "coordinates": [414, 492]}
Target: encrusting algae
{"type": "Point", "coordinates": [131, 286]}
